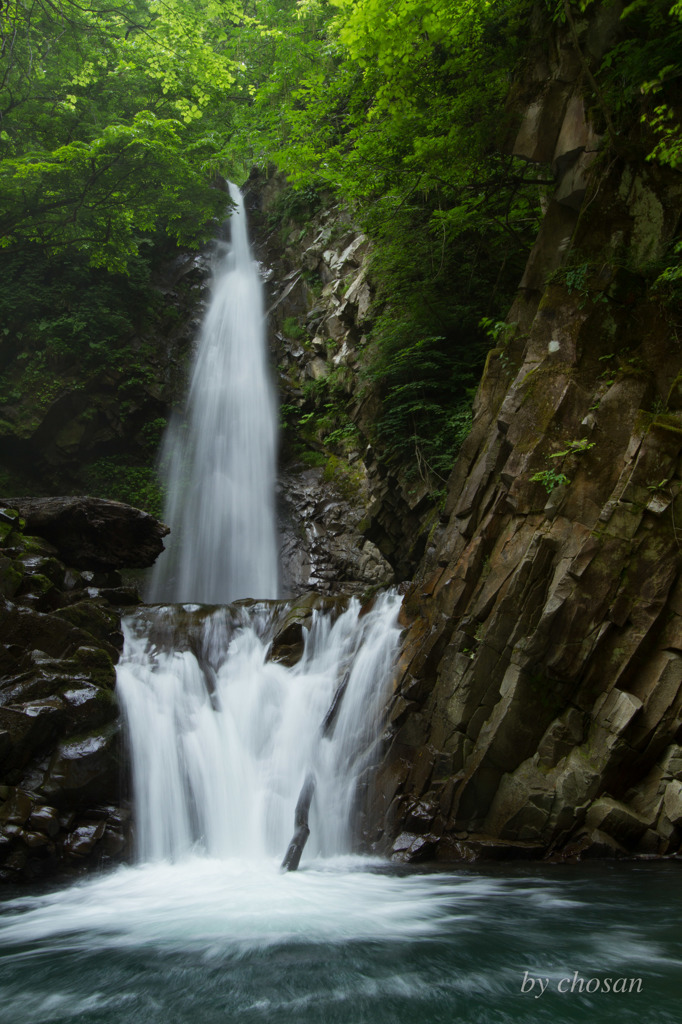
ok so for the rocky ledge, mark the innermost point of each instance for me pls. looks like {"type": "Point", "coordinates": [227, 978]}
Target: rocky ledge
{"type": "Point", "coordinates": [93, 533]}
{"type": "Point", "coordinates": [62, 788]}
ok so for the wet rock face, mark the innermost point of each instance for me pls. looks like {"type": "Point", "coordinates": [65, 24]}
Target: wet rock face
{"type": "Point", "coordinates": [323, 548]}
{"type": "Point", "coordinates": [538, 709]}
{"type": "Point", "coordinates": [347, 521]}
{"type": "Point", "coordinates": [62, 805]}
{"type": "Point", "coordinates": [207, 630]}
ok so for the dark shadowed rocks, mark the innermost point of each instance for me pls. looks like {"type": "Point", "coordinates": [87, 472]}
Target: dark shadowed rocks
{"type": "Point", "coordinates": [92, 533]}
{"type": "Point", "coordinates": [62, 778]}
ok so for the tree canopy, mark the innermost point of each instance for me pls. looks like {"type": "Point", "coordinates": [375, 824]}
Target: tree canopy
{"type": "Point", "coordinates": [118, 118]}
{"type": "Point", "coordinates": [114, 116]}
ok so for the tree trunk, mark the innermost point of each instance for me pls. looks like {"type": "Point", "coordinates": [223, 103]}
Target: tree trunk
{"type": "Point", "coordinates": [301, 831]}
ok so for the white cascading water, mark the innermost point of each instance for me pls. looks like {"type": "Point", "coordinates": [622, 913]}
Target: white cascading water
{"type": "Point", "coordinates": [221, 771]}
{"type": "Point", "coordinates": [220, 459]}
{"type": "Point", "coordinates": [222, 740]}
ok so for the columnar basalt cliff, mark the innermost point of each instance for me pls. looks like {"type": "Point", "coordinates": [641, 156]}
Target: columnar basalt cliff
{"type": "Point", "coordinates": [538, 705]}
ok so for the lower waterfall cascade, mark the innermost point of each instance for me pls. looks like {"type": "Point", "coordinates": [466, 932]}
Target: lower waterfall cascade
{"type": "Point", "coordinates": [221, 743]}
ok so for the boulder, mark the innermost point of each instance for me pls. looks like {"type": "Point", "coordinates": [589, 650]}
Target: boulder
{"type": "Point", "coordinates": [58, 710]}
{"type": "Point", "coordinates": [616, 820]}
{"type": "Point", "coordinates": [93, 533]}
{"type": "Point", "coordinates": [85, 768]}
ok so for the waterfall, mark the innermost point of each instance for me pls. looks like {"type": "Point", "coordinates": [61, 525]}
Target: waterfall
{"type": "Point", "coordinates": [221, 735]}
{"type": "Point", "coordinates": [222, 738]}
{"type": "Point", "coordinates": [220, 458]}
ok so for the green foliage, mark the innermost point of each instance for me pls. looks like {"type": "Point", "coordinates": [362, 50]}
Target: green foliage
{"type": "Point", "coordinates": [114, 119]}
{"type": "Point", "coordinates": [426, 403]}
{"type": "Point", "coordinates": [326, 421]}
{"type": "Point", "coordinates": [500, 332]}
{"type": "Point", "coordinates": [549, 478]}
{"type": "Point", "coordinates": [665, 124]}
{"type": "Point", "coordinates": [346, 479]}
{"type": "Point", "coordinates": [152, 432]}
{"type": "Point", "coordinates": [575, 278]}
{"type": "Point", "coordinates": [669, 280]}
{"type": "Point", "coordinates": [428, 342]}
{"type": "Point", "coordinates": [641, 72]}
{"type": "Point", "coordinates": [293, 205]}
{"type": "Point", "coordinates": [574, 448]}
{"type": "Point", "coordinates": [292, 329]}
{"type": "Point", "coordinates": [399, 110]}
{"type": "Point", "coordinates": [119, 479]}
{"type": "Point", "coordinates": [57, 309]}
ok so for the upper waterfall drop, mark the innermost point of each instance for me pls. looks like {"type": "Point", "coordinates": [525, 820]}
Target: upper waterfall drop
{"type": "Point", "coordinates": [220, 457]}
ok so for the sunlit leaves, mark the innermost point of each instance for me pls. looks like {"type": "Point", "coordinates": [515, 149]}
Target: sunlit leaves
{"type": "Point", "coordinates": [115, 115]}
{"type": "Point", "coordinates": [398, 108]}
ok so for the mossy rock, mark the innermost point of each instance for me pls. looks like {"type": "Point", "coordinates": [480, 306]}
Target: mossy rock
{"type": "Point", "coordinates": [97, 620]}
{"type": "Point", "coordinates": [672, 422]}
{"type": "Point", "coordinates": [36, 584]}
{"type": "Point", "coordinates": [674, 400]}
{"type": "Point", "coordinates": [11, 576]}
{"type": "Point", "coordinates": [85, 769]}
{"type": "Point", "coordinates": [33, 546]}
{"type": "Point", "coordinates": [11, 516]}
{"type": "Point", "coordinates": [96, 665]}
{"type": "Point", "coordinates": [45, 566]}
{"type": "Point", "coordinates": [88, 706]}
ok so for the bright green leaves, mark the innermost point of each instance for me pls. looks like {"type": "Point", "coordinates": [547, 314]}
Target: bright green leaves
{"type": "Point", "coordinates": [100, 197]}
{"type": "Point", "coordinates": [384, 91]}
{"type": "Point", "coordinates": [664, 119]}
{"type": "Point", "coordinates": [666, 126]}
{"type": "Point", "coordinates": [398, 108]}
{"type": "Point", "coordinates": [179, 55]}
{"type": "Point", "coordinates": [116, 117]}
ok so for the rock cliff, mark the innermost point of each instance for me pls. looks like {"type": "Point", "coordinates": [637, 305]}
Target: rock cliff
{"type": "Point", "coordinates": [348, 522]}
{"type": "Point", "coordinates": [538, 705]}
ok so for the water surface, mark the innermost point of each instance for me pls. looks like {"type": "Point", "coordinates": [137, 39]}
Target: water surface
{"type": "Point", "coordinates": [344, 940]}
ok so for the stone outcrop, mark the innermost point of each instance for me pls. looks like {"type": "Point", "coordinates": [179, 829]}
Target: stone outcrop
{"type": "Point", "coordinates": [188, 627]}
{"type": "Point", "coordinates": [62, 779]}
{"type": "Point", "coordinates": [538, 703]}
{"type": "Point", "coordinates": [323, 548]}
{"type": "Point", "coordinates": [348, 522]}
{"type": "Point", "coordinates": [92, 533]}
